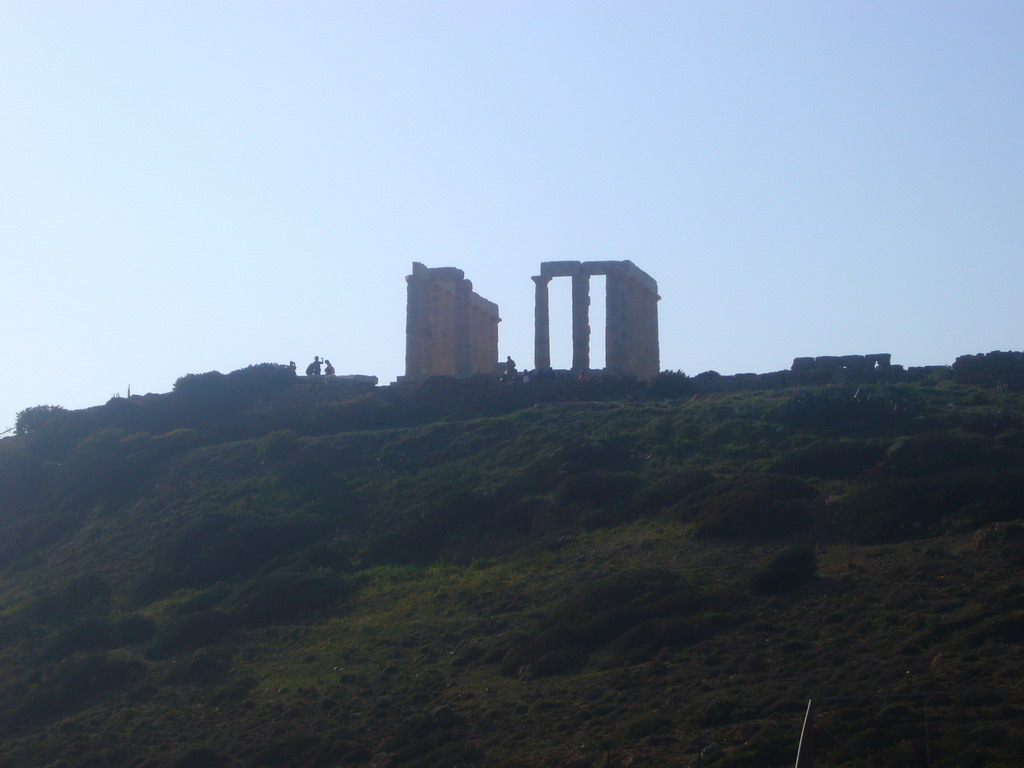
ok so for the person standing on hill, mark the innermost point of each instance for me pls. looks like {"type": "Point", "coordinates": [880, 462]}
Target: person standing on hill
{"type": "Point", "coordinates": [313, 369]}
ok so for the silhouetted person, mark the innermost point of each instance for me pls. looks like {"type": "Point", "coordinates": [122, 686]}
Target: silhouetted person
{"type": "Point", "coordinates": [291, 366]}
{"type": "Point", "coordinates": [510, 370]}
{"type": "Point", "coordinates": [313, 369]}
{"type": "Point", "coordinates": [329, 369]}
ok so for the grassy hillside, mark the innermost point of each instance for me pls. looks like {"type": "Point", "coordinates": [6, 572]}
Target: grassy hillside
{"type": "Point", "coordinates": [251, 571]}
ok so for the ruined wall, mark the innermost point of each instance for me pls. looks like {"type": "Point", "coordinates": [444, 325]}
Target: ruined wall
{"type": "Point", "coordinates": [449, 329]}
{"type": "Point", "coordinates": [631, 316]}
{"type": "Point", "coordinates": [836, 362]}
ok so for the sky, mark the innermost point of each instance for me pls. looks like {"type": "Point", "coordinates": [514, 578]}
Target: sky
{"type": "Point", "coordinates": [194, 186]}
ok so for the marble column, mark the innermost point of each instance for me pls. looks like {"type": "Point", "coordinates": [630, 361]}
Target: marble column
{"type": "Point", "coordinates": [580, 322]}
{"type": "Point", "coordinates": [461, 334]}
{"type": "Point", "coordinates": [541, 325]}
{"type": "Point", "coordinates": [616, 343]}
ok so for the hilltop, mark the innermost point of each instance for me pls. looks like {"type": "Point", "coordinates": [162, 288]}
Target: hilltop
{"type": "Point", "coordinates": [258, 570]}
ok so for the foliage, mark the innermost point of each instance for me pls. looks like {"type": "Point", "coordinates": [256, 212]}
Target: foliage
{"type": "Point", "coordinates": [36, 419]}
{"type": "Point", "coordinates": [834, 459]}
{"type": "Point", "coordinates": [468, 572]}
{"type": "Point", "coordinates": [828, 410]}
{"type": "Point", "coordinates": [760, 506]}
{"type": "Point", "coordinates": [786, 571]}
{"type": "Point", "coordinates": [671, 384]}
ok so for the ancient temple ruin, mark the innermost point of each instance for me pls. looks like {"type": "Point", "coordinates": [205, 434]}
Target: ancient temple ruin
{"type": "Point", "coordinates": [631, 316]}
{"type": "Point", "coordinates": [449, 329]}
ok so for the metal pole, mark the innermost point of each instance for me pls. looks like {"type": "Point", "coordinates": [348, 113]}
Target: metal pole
{"type": "Point", "coordinates": [805, 752]}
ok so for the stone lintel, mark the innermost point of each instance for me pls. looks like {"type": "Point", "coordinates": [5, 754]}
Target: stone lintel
{"type": "Point", "coordinates": [601, 267]}
{"type": "Point", "coordinates": [560, 268]}
{"type": "Point", "coordinates": [549, 269]}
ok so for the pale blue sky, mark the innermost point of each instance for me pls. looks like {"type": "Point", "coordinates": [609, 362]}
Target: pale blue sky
{"type": "Point", "coordinates": [194, 186]}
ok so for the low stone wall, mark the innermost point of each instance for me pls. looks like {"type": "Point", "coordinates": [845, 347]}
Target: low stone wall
{"type": "Point", "coordinates": [850, 362]}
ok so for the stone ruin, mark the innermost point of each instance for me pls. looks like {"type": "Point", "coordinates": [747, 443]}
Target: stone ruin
{"type": "Point", "coordinates": [449, 329]}
{"type": "Point", "coordinates": [631, 317]}
{"type": "Point", "coordinates": [848, 362]}
{"type": "Point", "coordinates": [452, 331]}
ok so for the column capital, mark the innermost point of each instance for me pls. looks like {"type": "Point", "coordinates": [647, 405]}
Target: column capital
{"type": "Point", "coordinates": [541, 279]}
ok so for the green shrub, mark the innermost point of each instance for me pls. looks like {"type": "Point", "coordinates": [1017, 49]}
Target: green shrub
{"type": "Point", "coordinates": [785, 572]}
{"type": "Point", "coordinates": [220, 546]}
{"type": "Point", "coordinates": [81, 597]}
{"type": "Point", "coordinates": [195, 630]}
{"type": "Point", "coordinates": [668, 491]}
{"type": "Point", "coordinates": [918, 455]}
{"type": "Point", "coordinates": [670, 384]}
{"type": "Point", "coordinates": [35, 420]}
{"type": "Point", "coordinates": [752, 506]}
{"type": "Point", "coordinates": [831, 459]}
{"type": "Point", "coordinates": [200, 757]}
{"type": "Point", "coordinates": [598, 488]}
{"type": "Point", "coordinates": [286, 598]}
{"type": "Point", "coordinates": [828, 410]}
{"type": "Point", "coordinates": [610, 611]}
{"type": "Point", "coordinates": [97, 464]}
{"type": "Point", "coordinates": [899, 509]}
{"type": "Point", "coordinates": [74, 682]}
{"type": "Point", "coordinates": [277, 445]}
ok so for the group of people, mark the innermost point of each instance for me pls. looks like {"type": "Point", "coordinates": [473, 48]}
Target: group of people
{"type": "Point", "coordinates": [317, 367]}
{"type": "Point", "coordinates": [510, 375]}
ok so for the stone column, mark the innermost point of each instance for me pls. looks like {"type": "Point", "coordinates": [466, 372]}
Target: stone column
{"type": "Point", "coordinates": [616, 333]}
{"type": "Point", "coordinates": [647, 363]}
{"type": "Point", "coordinates": [654, 354]}
{"type": "Point", "coordinates": [417, 324]}
{"type": "Point", "coordinates": [541, 325]}
{"type": "Point", "coordinates": [461, 332]}
{"type": "Point", "coordinates": [580, 322]}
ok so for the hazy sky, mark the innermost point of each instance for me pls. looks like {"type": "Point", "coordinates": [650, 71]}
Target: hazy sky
{"type": "Point", "coordinates": [195, 186]}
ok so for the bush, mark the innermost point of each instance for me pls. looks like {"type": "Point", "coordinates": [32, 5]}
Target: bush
{"type": "Point", "coordinates": [81, 597]}
{"type": "Point", "coordinates": [277, 445]}
{"type": "Point", "coordinates": [920, 455]}
{"type": "Point", "coordinates": [35, 420]}
{"type": "Point", "coordinates": [196, 630]}
{"type": "Point", "coordinates": [791, 569]}
{"type": "Point", "coordinates": [98, 633]}
{"type": "Point", "coordinates": [832, 459]}
{"type": "Point", "coordinates": [597, 488]}
{"type": "Point", "coordinates": [220, 546]}
{"type": "Point", "coordinates": [829, 410]}
{"type": "Point", "coordinates": [670, 384]}
{"type": "Point", "coordinates": [753, 506]}
{"type": "Point", "coordinates": [285, 598]}
{"type": "Point", "coordinates": [671, 490]}
{"type": "Point", "coordinates": [637, 612]}
{"type": "Point", "coordinates": [908, 508]}
{"type": "Point", "coordinates": [200, 757]}
{"type": "Point", "coordinates": [73, 683]}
